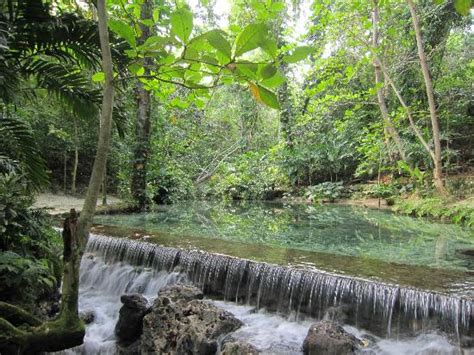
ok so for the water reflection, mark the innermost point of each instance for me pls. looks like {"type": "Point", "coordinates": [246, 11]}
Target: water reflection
{"type": "Point", "coordinates": [342, 230]}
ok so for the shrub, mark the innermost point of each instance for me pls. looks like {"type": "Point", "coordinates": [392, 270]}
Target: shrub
{"type": "Point", "coordinates": [330, 191]}
{"type": "Point", "coordinates": [251, 176]}
{"type": "Point", "coordinates": [29, 249]}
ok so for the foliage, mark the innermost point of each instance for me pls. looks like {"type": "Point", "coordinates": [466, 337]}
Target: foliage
{"type": "Point", "coordinates": [51, 49]}
{"type": "Point", "coordinates": [461, 212]}
{"type": "Point", "coordinates": [169, 184]}
{"type": "Point", "coordinates": [29, 261]}
{"type": "Point", "coordinates": [252, 176]}
{"type": "Point", "coordinates": [25, 279]}
{"type": "Point", "coordinates": [327, 191]}
{"type": "Point", "coordinates": [383, 190]}
{"type": "Point", "coordinates": [19, 151]}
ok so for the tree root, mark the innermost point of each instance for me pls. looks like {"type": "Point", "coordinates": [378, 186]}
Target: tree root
{"type": "Point", "coordinates": [48, 336]}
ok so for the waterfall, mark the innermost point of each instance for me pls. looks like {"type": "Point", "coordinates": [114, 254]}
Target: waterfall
{"type": "Point", "coordinates": [295, 290]}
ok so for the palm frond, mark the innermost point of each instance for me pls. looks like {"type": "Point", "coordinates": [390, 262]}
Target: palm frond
{"type": "Point", "coordinates": [66, 83]}
{"type": "Point", "coordinates": [17, 144]}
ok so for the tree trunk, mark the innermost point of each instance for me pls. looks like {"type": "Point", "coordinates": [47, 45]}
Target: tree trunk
{"type": "Point", "coordinates": [65, 172]}
{"type": "Point", "coordinates": [98, 169]}
{"type": "Point", "coordinates": [71, 259]}
{"type": "Point", "coordinates": [104, 187]}
{"type": "Point", "coordinates": [286, 109]}
{"type": "Point", "coordinates": [142, 125]}
{"type": "Point", "coordinates": [76, 158]}
{"type": "Point", "coordinates": [437, 171]}
{"type": "Point", "coordinates": [388, 124]}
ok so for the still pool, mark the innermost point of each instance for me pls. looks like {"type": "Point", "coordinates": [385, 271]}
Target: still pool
{"type": "Point", "coordinates": [330, 229]}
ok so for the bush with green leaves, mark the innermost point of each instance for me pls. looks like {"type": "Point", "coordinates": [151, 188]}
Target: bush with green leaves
{"type": "Point", "coordinates": [377, 190]}
{"type": "Point", "coordinates": [30, 250]}
{"type": "Point", "coordinates": [25, 279]}
{"type": "Point", "coordinates": [250, 176]}
{"type": "Point", "coordinates": [169, 184]}
{"type": "Point", "coordinates": [327, 191]}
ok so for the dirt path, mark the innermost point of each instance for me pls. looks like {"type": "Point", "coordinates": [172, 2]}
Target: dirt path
{"type": "Point", "coordinates": [57, 204]}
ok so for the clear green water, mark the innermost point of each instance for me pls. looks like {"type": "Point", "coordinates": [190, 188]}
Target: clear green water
{"type": "Point", "coordinates": [341, 231]}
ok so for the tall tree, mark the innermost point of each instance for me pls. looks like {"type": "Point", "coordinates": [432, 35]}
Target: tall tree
{"type": "Point", "coordinates": [437, 159]}
{"type": "Point", "coordinates": [142, 123]}
{"type": "Point", "coordinates": [379, 82]}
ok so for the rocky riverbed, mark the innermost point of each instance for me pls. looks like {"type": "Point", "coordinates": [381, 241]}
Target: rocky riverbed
{"type": "Point", "coordinates": [180, 321]}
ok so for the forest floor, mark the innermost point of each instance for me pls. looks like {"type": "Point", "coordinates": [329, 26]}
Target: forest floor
{"type": "Point", "coordinates": [56, 204]}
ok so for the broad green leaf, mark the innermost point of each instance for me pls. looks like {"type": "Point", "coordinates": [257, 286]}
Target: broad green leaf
{"type": "Point", "coordinates": [199, 103]}
{"type": "Point", "coordinates": [248, 70]}
{"type": "Point", "coordinates": [264, 96]}
{"type": "Point", "coordinates": [134, 68]}
{"type": "Point", "coordinates": [268, 71]}
{"type": "Point", "coordinates": [99, 76]}
{"type": "Point", "coordinates": [275, 81]}
{"type": "Point", "coordinates": [156, 15]}
{"type": "Point", "coordinates": [191, 54]}
{"type": "Point", "coordinates": [182, 24]}
{"type": "Point", "coordinates": [123, 30]}
{"type": "Point", "coordinates": [463, 6]}
{"type": "Point", "coordinates": [177, 102]}
{"type": "Point", "coordinates": [269, 46]}
{"type": "Point", "coordinates": [217, 40]}
{"type": "Point", "coordinates": [269, 98]}
{"type": "Point", "coordinates": [299, 53]}
{"type": "Point", "coordinates": [250, 38]}
{"type": "Point", "coordinates": [155, 42]}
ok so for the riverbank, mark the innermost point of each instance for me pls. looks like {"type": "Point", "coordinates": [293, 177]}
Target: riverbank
{"type": "Point", "coordinates": [444, 209]}
{"type": "Point", "coordinates": [57, 204]}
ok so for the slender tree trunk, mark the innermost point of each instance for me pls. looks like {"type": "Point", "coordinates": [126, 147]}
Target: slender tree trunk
{"type": "Point", "coordinates": [98, 169]}
{"type": "Point", "coordinates": [65, 172]}
{"type": "Point", "coordinates": [142, 125]}
{"type": "Point", "coordinates": [388, 124]}
{"type": "Point", "coordinates": [286, 109]}
{"type": "Point", "coordinates": [438, 167]}
{"type": "Point", "coordinates": [76, 158]}
{"type": "Point", "coordinates": [104, 187]}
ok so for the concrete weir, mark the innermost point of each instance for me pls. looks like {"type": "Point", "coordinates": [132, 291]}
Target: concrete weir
{"type": "Point", "coordinates": [383, 308]}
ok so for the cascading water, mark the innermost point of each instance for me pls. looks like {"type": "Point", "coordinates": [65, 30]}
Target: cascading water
{"type": "Point", "coordinates": [115, 266]}
{"type": "Point", "coordinates": [286, 290]}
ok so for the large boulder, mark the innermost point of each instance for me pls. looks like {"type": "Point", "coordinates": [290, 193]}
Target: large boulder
{"type": "Point", "coordinates": [329, 338]}
{"type": "Point", "coordinates": [130, 323]}
{"type": "Point", "coordinates": [181, 322]}
{"type": "Point", "coordinates": [233, 346]}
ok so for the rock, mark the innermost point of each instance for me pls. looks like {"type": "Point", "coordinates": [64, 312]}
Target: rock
{"type": "Point", "coordinates": [233, 346]}
{"type": "Point", "coordinates": [181, 322]}
{"type": "Point", "coordinates": [130, 324]}
{"type": "Point", "coordinates": [87, 316]}
{"type": "Point", "coordinates": [326, 337]}
{"type": "Point", "coordinates": [131, 349]}
{"type": "Point", "coordinates": [181, 292]}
